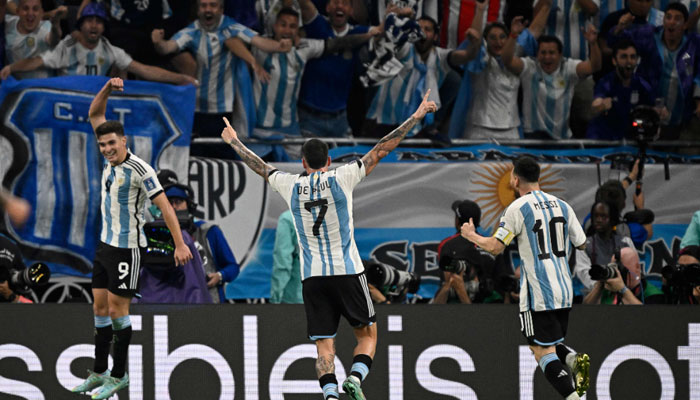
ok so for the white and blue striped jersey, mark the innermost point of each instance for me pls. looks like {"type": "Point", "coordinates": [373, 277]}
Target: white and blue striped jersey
{"type": "Point", "coordinates": [125, 188]}
{"type": "Point", "coordinates": [19, 46]}
{"type": "Point", "coordinates": [547, 98]}
{"type": "Point", "coordinates": [545, 227]}
{"type": "Point", "coordinates": [276, 100]}
{"type": "Point", "coordinates": [70, 57]}
{"type": "Point", "coordinates": [566, 21]}
{"type": "Point", "coordinates": [669, 84]}
{"type": "Point", "coordinates": [392, 103]}
{"type": "Point", "coordinates": [321, 205]}
{"type": "Point", "coordinates": [214, 62]}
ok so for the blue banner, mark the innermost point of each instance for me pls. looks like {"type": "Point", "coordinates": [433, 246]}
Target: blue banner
{"type": "Point", "coordinates": [56, 164]}
{"type": "Point", "coordinates": [490, 152]}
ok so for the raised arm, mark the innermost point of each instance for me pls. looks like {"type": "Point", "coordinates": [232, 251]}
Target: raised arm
{"type": "Point", "coordinates": [539, 22]}
{"type": "Point", "coordinates": [237, 47]}
{"type": "Point", "coordinates": [514, 63]}
{"type": "Point", "coordinates": [390, 141]}
{"type": "Point", "coordinates": [163, 46]}
{"type": "Point", "coordinates": [98, 107]}
{"type": "Point", "coordinates": [270, 45]}
{"type": "Point", "coordinates": [251, 159]}
{"type": "Point", "coordinates": [346, 42]}
{"type": "Point", "coordinates": [54, 35]}
{"type": "Point", "coordinates": [474, 35]}
{"type": "Point", "coordinates": [594, 62]}
{"type": "Point", "coordinates": [157, 74]}
{"type": "Point", "coordinates": [308, 11]}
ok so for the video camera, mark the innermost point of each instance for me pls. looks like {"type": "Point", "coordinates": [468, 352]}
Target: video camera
{"type": "Point", "coordinates": [25, 279]}
{"type": "Point", "coordinates": [160, 246]}
{"type": "Point", "coordinates": [391, 281]}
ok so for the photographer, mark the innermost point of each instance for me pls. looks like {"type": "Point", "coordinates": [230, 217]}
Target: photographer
{"type": "Point", "coordinates": [681, 282]}
{"type": "Point", "coordinates": [617, 289]}
{"type": "Point", "coordinates": [603, 242]}
{"type": "Point", "coordinates": [387, 284]}
{"type": "Point", "coordinates": [10, 260]}
{"type": "Point", "coordinates": [466, 270]}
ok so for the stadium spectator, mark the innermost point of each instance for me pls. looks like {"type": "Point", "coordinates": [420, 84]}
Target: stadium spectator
{"type": "Point", "coordinates": [131, 24]}
{"type": "Point", "coordinates": [213, 39]}
{"type": "Point", "coordinates": [453, 16]}
{"type": "Point", "coordinates": [269, 9]}
{"type": "Point", "coordinates": [548, 82]}
{"type": "Point", "coordinates": [669, 62]}
{"type": "Point", "coordinates": [603, 242]}
{"type": "Point", "coordinates": [618, 290]}
{"type": "Point", "coordinates": [326, 82]}
{"type": "Point", "coordinates": [285, 284]}
{"type": "Point", "coordinates": [400, 29]}
{"type": "Point", "coordinates": [218, 261]}
{"type": "Point", "coordinates": [570, 23]}
{"type": "Point", "coordinates": [635, 14]}
{"type": "Point", "coordinates": [494, 112]}
{"type": "Point", "coordinates": [276, 100]}
{"type": "Point", "coordinates": [28, 35]}
{"type": "Point", "coordinates": [692, 233]}
{"type": "Point", "coordinates": [424, 66]}
{"type": "Point", "coordinates": [681, 283]}
{"type": "Point", "coordinates": [617, 94]}
{"type": "Point", "coordinates": [90, 53]}
{"type": "Point", "coordinates": [464, 267]}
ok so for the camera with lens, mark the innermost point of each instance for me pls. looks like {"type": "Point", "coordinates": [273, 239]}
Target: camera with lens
{"type": "Point", "coordinates": [608, 271]}
{"type": "Point", "coordinates": [456, 266]}
{"type": "Point", "coordinates": [645, 123]}
{"type": "Point", "coordinates": [687, 275]}
{"type": "Point", "coordinates": [25, 279]}
{"type": "Point", "coordinates": [391, 281]}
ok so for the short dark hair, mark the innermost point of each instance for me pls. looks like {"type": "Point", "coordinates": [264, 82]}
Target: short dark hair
{"type": "Point", "coordinates": [623, 44]}
{"type": "Point", "coordinates": [315, 152]}
{"type": "Point", "coordinates": [550, 39]}
{"type": "Point", "coordinates": [612, 192]}
{"type": "Point", "coordinates": [527, 169]}
{"type": "Point", "coordinates": [108, 127]}
{"type": "Point", "coordinates": [680, 7]}
{"type": "Point", "coordinates": [430, 19]}
{"type": "Point", "coordinates": [493, 25]}
{"type": "Point", "coordinates": [288, 11]}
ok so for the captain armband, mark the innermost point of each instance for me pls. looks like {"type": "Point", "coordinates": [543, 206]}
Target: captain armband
{"type": "Point", "coordinates": [504, 235]}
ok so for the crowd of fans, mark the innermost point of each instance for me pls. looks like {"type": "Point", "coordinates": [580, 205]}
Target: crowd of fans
{"type": "Point", "coordinates": [503, 69]}
{"type": "Point", "coordinates": [336, 68]}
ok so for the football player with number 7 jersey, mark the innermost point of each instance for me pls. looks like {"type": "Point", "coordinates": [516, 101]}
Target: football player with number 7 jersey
{"type": "Point", "coordinates": [545, 227]}
{"type": "Point", "coordinates": [333, 278]}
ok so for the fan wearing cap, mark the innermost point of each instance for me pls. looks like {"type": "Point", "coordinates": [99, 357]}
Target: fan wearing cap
{"type": "Point", "coordinates": [88, 52]}
{"type": "Point", "coordinates": [218, 260]}
{"type": "Point", "coordinates": [456, 250]}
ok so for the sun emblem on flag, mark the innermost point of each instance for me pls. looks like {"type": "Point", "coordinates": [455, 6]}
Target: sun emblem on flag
{"type": "Point", "coordinates": [491, 186]}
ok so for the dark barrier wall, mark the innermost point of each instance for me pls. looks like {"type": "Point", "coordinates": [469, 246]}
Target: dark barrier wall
{"type": "Point", "coordinates": [259, 352]}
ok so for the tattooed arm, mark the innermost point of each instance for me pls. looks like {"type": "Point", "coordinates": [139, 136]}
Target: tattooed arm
{"type": "Point", "coordinates": [391, 140]}
{"type": "Point", "coordinates": [251, 159]}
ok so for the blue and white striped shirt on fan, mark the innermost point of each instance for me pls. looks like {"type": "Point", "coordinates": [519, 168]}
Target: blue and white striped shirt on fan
{"type": "Point", "coordinates": [397, 98]}
{"type": "Point", "coordinates": [20, 46]}
{"type": "Point", "coordinates": [124, 191]}
{"type": "Point", "coordinates": [321, 205]}
{"type": "Point", "coordinates": [545, 227]}
{"type": "Point", "coordinates": [276, 101]}
{"type": "Point", "coordinates": [72, 58]}
{"type": "Point", "coordinates": [566, 21]}
{"type": "Point", "coordinates": [214, 62]}
{"type": "Point", "coordinates": [547, 98]}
